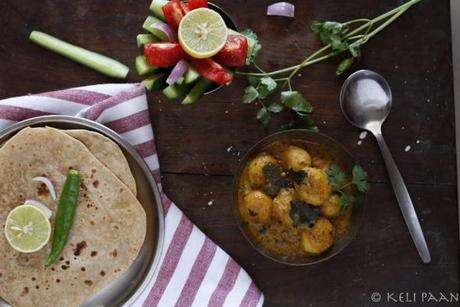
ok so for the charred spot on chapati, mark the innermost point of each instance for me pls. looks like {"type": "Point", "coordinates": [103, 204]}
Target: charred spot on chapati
{"type": "Point", "coordinates": [96, 183]}
{"type": "Point", "coordinates": [25, 290]}
{"type": "Point", "coordinates": [42, 190]}
{"type": "Point", "coordinates": [88, 282]}
{"type": "Point", "coordinates": [114, 253]}
{"type": "Point", "coordinates": [102, 273]}
{"type": "Point", "coordinates": [93, 253]}
{"type": "Point", "coordinates": [80, 247]}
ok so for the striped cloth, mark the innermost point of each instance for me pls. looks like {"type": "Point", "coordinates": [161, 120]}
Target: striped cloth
{"type": "Point", "coordinates": [193, 270]}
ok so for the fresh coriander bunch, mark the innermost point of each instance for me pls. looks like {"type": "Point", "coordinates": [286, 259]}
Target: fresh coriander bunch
{"type": "Point", "coordinates": [346, 38]}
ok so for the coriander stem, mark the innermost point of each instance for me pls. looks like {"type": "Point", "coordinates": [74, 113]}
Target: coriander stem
{"type": "Point", "coordinates": [393, 14]}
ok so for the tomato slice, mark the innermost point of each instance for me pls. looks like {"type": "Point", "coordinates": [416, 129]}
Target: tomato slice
{"type": "Point", "coordinates": [163, 54]}
{"type": "Point", "coordinates": [212, 71]}
{"type": "Point", "coordinates": [234, 52]}
{"type": "Point", "coordinates": [173, 13]}
{"type": "Point", "coordinates": [185, 8]}
{"type": "Point", "coordinates": [194, 4]}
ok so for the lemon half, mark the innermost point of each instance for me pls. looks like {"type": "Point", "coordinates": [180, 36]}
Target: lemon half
{"type": "Point", "coordinates": [27, 229]}
{"type": "Point", "coordinates": [202, 33]}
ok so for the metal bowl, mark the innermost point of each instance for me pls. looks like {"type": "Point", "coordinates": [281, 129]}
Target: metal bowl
{"type": "Point", "coordinates": [319, 143]}
{"type": "Point", "coordinates": [128, 287]}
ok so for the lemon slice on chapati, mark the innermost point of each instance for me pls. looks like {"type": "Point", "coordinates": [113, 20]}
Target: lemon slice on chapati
{"type": "Point", "coordinates": [202, 33]}
{"type": "Point", "coordinates": [27, 229]}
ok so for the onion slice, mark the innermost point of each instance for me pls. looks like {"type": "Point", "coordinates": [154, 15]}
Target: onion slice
{"type": "Point", "coordinates": [48, 184]}
{"type": "Point", "coordinates": [177, 72]}
{"type": "Point", "coordinates": [166, 29]}
{"type": "Point", "coordinates": [281, 9]}
{"type": "Point", "coordinates": [40, 206]}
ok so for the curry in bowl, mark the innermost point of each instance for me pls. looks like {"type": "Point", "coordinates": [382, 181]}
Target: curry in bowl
{"type": "Point", "coordinates": [295, 201]}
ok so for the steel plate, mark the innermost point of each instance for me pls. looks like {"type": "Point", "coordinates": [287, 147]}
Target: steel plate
{"type": "Point", "coordinates": [128, 287]}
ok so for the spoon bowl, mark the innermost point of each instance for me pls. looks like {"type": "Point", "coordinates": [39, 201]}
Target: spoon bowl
{"type": "Point", "coordinates": [366, 102]}
{"type": "Point", "coordinates": [366, 99]}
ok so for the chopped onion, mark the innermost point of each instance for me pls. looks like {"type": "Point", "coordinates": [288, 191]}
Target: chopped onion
{"type": "Point", "coordinates": [48, 184]}
{"type": "Point", "coordinates": [281, 9]}
{"type": "Point", "coordinates": [40, 206]}
{"type": "Point", "coordinates": [177, 72]}
{"type": "Point", "coordinates": [166, 29]}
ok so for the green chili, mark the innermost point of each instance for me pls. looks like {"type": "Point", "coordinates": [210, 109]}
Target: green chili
{"type": "Point", "coordinates": [65, 214]}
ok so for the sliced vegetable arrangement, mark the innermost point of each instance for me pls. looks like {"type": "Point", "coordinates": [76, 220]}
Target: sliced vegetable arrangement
{"type": "Point", "coordinates": [189, 49]}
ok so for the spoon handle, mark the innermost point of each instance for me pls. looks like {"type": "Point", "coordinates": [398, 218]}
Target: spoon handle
{"type": "Point", "coordinates": [404, 200]}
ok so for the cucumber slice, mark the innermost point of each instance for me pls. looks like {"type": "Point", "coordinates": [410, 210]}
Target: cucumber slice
{"type": "Point", "coordinates": [143, 39]}
{"type": "Point", "coordinates": [177, 91]}
{"type": "Point", "coordinates": [191, 75]}
{"type": "Point", "coordinates": [142, 67]}
{"type": "Point", "coordinates": [148, 25]}
{"type": "Point", "coordinates": [180, 81]}
{"type": "Point", "coordinates": [197, 91]}
{"type": "Point", "coordinates": [96, 61]}
{"type": "Point", "coordinates": [155, 82]}
{"type": "Point", "coordinates": [156, 7]}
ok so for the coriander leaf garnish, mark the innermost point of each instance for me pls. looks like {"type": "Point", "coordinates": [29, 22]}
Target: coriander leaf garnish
{"type": "Point", "coordinates": [303, 213]}
{"type": "Point", "coordinates": [269, 83]}
{"type": "Point", "coordinates": [250, 94]}
{"type": "Point", "coordinates": [346, 200]}
{"type": "Point", "coordinates": [338, 181]}
{"type": "Point", "coordinates": [264, 116]}
{"type": "Point", "coordinates": [295, 101]}
{"type": "Point", "coordinates": [359, 179]}
{"type": "Point", "coordinates": [338, 38]}
{"type": "Point", "coordinates": [344, 65]}
{"type": "Point", "coordinates": [336, 177]}
{"type": "Point", "coordinates": [275, 108]}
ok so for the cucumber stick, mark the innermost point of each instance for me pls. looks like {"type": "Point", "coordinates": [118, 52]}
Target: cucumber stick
{"type": "Point", "coordinates": [156, 7]}
{"type": "Point", "coordinates": [177, 91]}
{"type": "Point", "coordinates": [142, 67]}
{"type": "Point", "coordinates": [96, 61]}
{"type": "Point", "coordinates": [155, 82]}
{"type": "Point", "coordinates": [197, 91]}
{"type": "Point", "coordinates": [143, 39]}
{"type": "Point", "coordinates": [191, 75]}
{"type": "Point", "coordinates": [148, 25]}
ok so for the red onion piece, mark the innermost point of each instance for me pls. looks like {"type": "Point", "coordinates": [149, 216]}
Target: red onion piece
{"type": "Point", "coordinates": [166, 29]}
{"type": "Point", "coordinates": [40, 206]}
{"type": "Point", "coordinates": [281, 9]}
{"type": "Point", "coordinates": [177, 72]}
{"type": "Point", "coordinates": [48, 184]}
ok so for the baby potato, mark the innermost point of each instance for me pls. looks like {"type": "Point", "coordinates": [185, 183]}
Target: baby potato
{"type": "Point", "coordinates": [318, 238]}
{"type": "Point", "coordinates": [258, 206]}
{"type": "Point", "coordinates": [282, 206]}
{"type": "Point", "coordinates": [256, 169]}
{"type": "Point", "coordinates": [331, 207]}
{"type": "Point", "coordinates": [295, 158]}
{"type": "Point", "coordinates": [315, 189]}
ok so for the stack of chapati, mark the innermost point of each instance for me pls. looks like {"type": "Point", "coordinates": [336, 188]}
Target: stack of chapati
{"type": "Point", "coordinates": [109, 226]}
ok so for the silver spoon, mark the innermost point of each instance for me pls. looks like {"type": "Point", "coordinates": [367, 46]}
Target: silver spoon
{"type": "Point", "coordinates": [366, 101]}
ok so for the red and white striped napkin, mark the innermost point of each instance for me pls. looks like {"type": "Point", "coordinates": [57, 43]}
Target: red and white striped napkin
{"type": "Point", "coordinates": [193, 270]}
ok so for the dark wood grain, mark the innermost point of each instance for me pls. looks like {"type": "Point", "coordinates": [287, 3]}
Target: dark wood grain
{"type": "Point", "coordinates": [200, 145]}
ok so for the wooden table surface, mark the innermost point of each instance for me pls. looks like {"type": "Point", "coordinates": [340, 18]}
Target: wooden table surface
{"type": "Point", "coordinates": [200, 146]}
